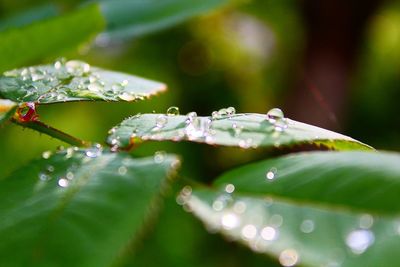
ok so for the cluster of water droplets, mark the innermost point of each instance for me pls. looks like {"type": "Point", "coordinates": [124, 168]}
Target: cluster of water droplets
{"type": "Point", "coordinates": [241, 221]}
{"type": "Point", "coordinates": [68, 79]}
{"type": "Point", "coordinates": [75, 155]}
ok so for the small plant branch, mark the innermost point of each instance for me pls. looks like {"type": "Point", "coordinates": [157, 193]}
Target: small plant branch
{"type": "Point", "coordinates": [50, 131]}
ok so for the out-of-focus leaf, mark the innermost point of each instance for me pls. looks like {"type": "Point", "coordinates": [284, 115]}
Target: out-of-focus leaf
{"type": "Point", "coordinates": [127, 18]}
{"type": "Point", "coordinates": [49, 37]}
{"type": "Point", "coordinates": [248, 130]}
{"type": "Point", "coordinates": [296, 233]}
{"type": "Point", "coordinates": [29, 16]}
{"type": "Point", "coordinates": [73, 81]}
{"type": "Point", "coordinates": [7, 109]}
{"type": "Point", "coordinates": [365, 181]}
{"type": "Point", "coordinates": [78, 207]}
{"type": "Point", "coordinates": [312, 209]}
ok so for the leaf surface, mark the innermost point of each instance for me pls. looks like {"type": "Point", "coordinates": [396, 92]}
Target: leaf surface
{"type": "Point", "coordinates": [247, 130]}
{"type": "Point", "coordinates": [74, 81]}
{"type": "Point", "coordinates": [78, 207]}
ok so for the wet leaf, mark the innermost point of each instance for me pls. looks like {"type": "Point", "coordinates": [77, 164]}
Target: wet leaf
{"type": "Point", "coordinates": [311, 209]}
{"type": "Point", "coordinates": [78, 207]}
{"type": "Point", "coordinates": [248, 130]}
{"type": "Point", "coordinates": [366, 181]}
{"type": "Point", "coordinates": [7, 109]}
{"type": "Point", "coordinates": [74, 81]}
{"type": "Point", "coordinates": [297, 233]}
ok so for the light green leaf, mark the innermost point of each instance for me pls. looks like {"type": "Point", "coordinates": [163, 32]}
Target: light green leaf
{"type": "Point", "coordinates": [49, 37]}
{"type": "Point", "coordinates": [74, 81]}
{"type": "Point", "coordinates": [296, 233]}
{"type": "Point", "coordinates": [247, 130]}
{"type": "Point", "coordinates": [78, 207]}
{"type": "Point", "coordinates": [127, 18]}
{"type": "Point", "coordinates": [7, 109]}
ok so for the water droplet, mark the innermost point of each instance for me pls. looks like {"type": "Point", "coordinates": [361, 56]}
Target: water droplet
{"type": "Point", "coordinates": [77, 68]}
{"type": "Point", "coordinates": [43, 176]}
{"type": "Point", "coordinates": [50, 168]}
{"type": "Point", "coordinates": [94, 152]}
{"type": "Point", "coordinates": [191, 116]}
{"type": "Point", "coordinates": [122, 170]}
{"type": "Point", "coordinates": [124, 83]}
{"type": "Point", "coordinates": [159, 157]}
{"type": "Point", "coordinates": [307, 226]}
{"type": "Point", "coordinates": [230, 111]}
{"type": "Point", "coordinates": [70, 175]}
{"type": "Point", "coordinates": [218, 205]}
{"type": "Point", "coordinates": [366, 221]}
{"type": "Point", "coordinates": [269, 233]}
{"type": "Point", "coordinates": [359, 240]}
{"type": "Point", "coordinates": [275, 114]}
{"type": "Point", "coordinates": [173, 111]}
{"type": "Point", "coordinates": [127, 97]}
{"type": "Point", "coordinates": [96, 86]}
{"type": "Point", "coordinates": [288, 257]}
{"type": "Point", "coordinates": [245, 143]}
{"type": "Point", "coordinates": [239, 207]}
{"type": "Point", "coordinates": [237, 129]}
{"type": "Point", "coordinates": [271, 174]}
{"type": "Point", "coordinates": [161, 121]}
{"type": "Point", "coordinates": [249, 231]}
{"type": "Point", "coordinates": [229, 188]}
{"type": "Point", "coordinates": [46, 154]}
{"type": "Point", "coordinates": [63, 182]}
{"type": "Point", "coordinates": [198, 128]}
{"type": "Point", "coordinates": [230, 221]}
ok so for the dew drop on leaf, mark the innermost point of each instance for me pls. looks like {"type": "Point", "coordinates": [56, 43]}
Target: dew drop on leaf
{"type": "Point", "coordinates": [359, 240]}
{"type": "Point", "coordinates": [288, 257]}
{"type": "Point", "coordinates": [271, 173]}
{"type": "Point", "coordinates": [159, 157]}
{"type": "Point", "coordinates": [173, 111]}
{"type": "Point", "coordinates": [161, 121]}
{"type": "Point", "coordinates": [63, 182]}
{"type": "Point", "coordinates": [46, 154]}
{"type": "Point", "coordinates": [307, 226]}
{"type": "Point", "coordinates": [275, 114]}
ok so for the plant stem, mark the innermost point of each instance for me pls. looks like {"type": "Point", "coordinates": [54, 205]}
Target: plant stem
{"type": "Point", "coordinates": [50, 131]}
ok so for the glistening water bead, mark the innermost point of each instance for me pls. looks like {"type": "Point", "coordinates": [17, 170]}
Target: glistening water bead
{"type": "Point", "coordinates": [173, 111]}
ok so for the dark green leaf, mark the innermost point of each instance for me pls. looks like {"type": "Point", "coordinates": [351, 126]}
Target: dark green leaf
{"type": "Point", "coordinates": [49, 37]}
{"type": "Point", "coordinates": [29, 16]}
{"type": "Point", "coordinates": [127, 18]}
{"type": "Point", "coordinates": [73, 81]}
{"type": "Point", "coordinates": [296, 233]}
{"type": "Point", "coordinates": [7, 109]}
{"type": "Point", "coordinates": [242, 130]}
{"type": "Point", "coordinates": [78, 207]}
{"type": "Point", "coordinates": [365, 181]}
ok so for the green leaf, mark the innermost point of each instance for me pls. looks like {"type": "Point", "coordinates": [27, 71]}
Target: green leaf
{"type": "Point", "coordinates": [296, 233]}
{"type": "Point", "coordinates": [7, 109]}
{"type": "Point", "coordinates": [248, 130]}
{"type": "Point", "coordinates": [312, 209]}
{"type": "Point", "coordinates": [127, 18]}
{"type": "Point", "coordinates": [49, 37]}
{"type": "Point", "coordinates": [78, 207]}
{"type": "Point", "coordinates": [34, 14]}
{"type": "Point", "coordinates": [353, 180]}
{"type": "Point", "coordinates": [73, 81]}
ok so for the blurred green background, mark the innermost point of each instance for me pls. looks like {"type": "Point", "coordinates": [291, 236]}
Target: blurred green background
{"type": "Point", "coordinates": [334, 64]}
